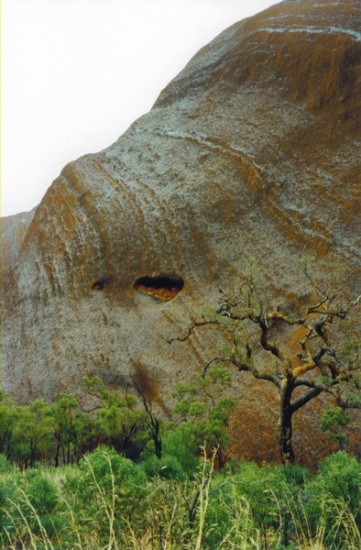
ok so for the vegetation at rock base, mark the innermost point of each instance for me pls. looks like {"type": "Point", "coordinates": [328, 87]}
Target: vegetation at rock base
{"type": "Point", "coordinates": [70, 479]}
{"type": "Point", "coordinates": [108, 501]}
{"type": "Point", "coordinates": [134, 472]}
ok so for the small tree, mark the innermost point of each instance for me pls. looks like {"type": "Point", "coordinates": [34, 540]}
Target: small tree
{"type": "Point", "coordinates": [73, 429]}
{"type": "Point", "coordinates": [147, 386]}
{"type": "Point", "coordinates": [332, 421]}
{"type": "Point", "coordinates": [312, 365]}
{"type": "Point", "coordinates": [8, 418]}
{"type": "Point", "coordinates": [203, 411]}
{"type": "Point", "coordinates": [119, 422]}
{"type": "Point", "coordinates": [33, 433]}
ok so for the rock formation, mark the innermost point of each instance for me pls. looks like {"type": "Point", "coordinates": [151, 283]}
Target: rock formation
{"type": "Point", "coordinates": [249, 156]}
{"type": "Point", "coordinates": [13, 231]}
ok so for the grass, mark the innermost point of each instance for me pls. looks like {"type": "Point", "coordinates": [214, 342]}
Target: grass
{"type": "Point", "coordinates": [108, 504]}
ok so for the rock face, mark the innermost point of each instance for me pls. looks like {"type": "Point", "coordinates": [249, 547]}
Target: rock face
{"type": "Point", "coordinates": [249, 156]}
{"type": "Point", "coordinates": [13, 231]}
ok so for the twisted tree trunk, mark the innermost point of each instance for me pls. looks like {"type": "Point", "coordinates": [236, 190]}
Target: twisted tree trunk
{"type": "Point", "coordinates": [285, 420]}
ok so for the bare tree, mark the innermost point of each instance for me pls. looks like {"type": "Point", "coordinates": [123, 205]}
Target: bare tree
{"type": "Point", "coordinates": [312, 366]}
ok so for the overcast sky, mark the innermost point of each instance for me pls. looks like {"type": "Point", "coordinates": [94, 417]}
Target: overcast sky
{"type": "Point", "coordinates": [77, 73]}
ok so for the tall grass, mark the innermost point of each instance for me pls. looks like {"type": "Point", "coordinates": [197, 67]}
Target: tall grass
{"type": "Point", "coordinates": [109, 504]}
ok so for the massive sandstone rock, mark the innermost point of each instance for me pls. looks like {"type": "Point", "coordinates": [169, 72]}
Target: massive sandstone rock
{"type": "Point", "coordinates": [13, 231]}
{"type": "Point", "coordinates": [249, 156]}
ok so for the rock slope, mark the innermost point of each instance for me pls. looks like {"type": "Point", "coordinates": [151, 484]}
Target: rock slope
{"type": "Point", "coordinates": [250, 156]}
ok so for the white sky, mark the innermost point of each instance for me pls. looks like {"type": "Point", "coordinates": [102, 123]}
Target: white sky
{"type": "Point", "coordinates": [77, 73]}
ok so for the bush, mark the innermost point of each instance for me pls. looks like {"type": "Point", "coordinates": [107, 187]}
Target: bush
{"type": "Point", "coordinates": [42, 491]}
{"type": "Point", "coordinates": [30, 506]}
{"type": "Point", "coordinates": [4, 464]}
{"type": "Point", "coordinates": [340, 476]}
{"type": "Point", "coordinates": [106, 492]}
{"type": "Point", "coordinates": [335, 496]}
{"type": "Point", "coordinates": [167, 467]}
{"type": "Point", "coordinates": [108, 502]}
{"type": "Point", "coordinates": [181, 443]}
{"type": "Point", "coordinates": [8, 489]}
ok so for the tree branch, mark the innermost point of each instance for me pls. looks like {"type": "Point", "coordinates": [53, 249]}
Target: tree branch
{"type": "Point", "coordinates": [306, 398]}
{"type": "Point", "coordinates": [194, 325]}
{"type": "Point", "coordinates": [241, 366]}
{"type": "Point", "coordinates": [302, 369]}
{"type": "Point", "coordinates": [285, 318]}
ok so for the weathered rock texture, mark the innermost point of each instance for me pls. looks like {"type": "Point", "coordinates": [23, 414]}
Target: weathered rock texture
{"type": "Point", "coordinates": [249, 156]}
{"type": "Point", "coordinates": [13, 231]}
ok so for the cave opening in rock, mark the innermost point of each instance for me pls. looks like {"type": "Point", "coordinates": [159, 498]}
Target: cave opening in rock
{"type": "Point", "coordinates": [163, 287]}
{"type": "Point", "coordinates": [101, 283]}
{"type": "Point", "coordinates": [98, 285]}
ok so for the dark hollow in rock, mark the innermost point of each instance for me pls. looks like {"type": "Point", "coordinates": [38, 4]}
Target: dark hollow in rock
{"type": "Point", "coordinates": [98, 285]}
{"type": "Point", "coordinates": [101, 283]}
{"type": "Point", "coordinates": [161, 286]}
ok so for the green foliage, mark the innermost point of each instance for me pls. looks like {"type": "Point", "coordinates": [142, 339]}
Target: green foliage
{"type": "Point", "coordinates": [33, 432]}
{"type": "Point", "coordinates": [351, 351]}
{"type": "Point", "coordinates": [122, 427]}
{"type": "Point", "coordinates": [41, 490]}
{"type": "Point", "coordinates": [107, 492]}
{"type": "Point", "coordinates": [31, 506]}
{"type": "Point", "coordinates": [8, 417]}
{"type": "Point", "coordinates": [203, 408]}
{"type": "Point", "coordinates": [102, 499]}
{"type": "Point", "coordinates": [119, 421]}
{"type": "Point", "coordinates": [4, 464]}
{"type": "Point", "coordinates": [96, 387]}
{"type": "Point", "coordinates": [110, 502]}
{"type": "Point", "coordinates": [167, 467]}
{"type": "Point", "coordinates": [181, 443]}
{"type": "Point", "coordinates": [332, 421]}
{"type": "Point", "coordinates": [350, 354]}
{"type": "Point", "coordinates": [72, 430]}
{"type": "Point", "coordinates": [109, 467]}
{"type": "Point", "coordinates": [340, 476]}
{"type": "Point", "coordinates": [8, 489]}
{"type": "Point", "coordinates": [335, 495]}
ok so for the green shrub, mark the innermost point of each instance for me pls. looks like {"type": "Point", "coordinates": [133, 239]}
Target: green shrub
{"type": "Point", "coordinates": [182, 444]}
{"type": "Point", "coordinates": [167, 467]}
{"type": "Point", "coordinates": [339, 475]}
{"type": "Point", "coordinates": [333, 421]}
{"type": "Point", "coordinates": [334, 498]}
{"type": "Point", "coordinates": [105, 493]}
{"type": "Point", "coordinates": [30, 508]}
{"type": "Point", "coordinates": [108, 502]}
{"type": "Point", "coordinates": [229, 521]}
{"type": "Point", "coordinates": [8, 489]}
{"type": "Point", "coordinates": [41, 490]}
{"type": "Point", "coordinates": [4, 464]}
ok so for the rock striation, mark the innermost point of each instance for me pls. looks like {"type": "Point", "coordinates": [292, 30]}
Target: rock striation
{"type": "Point", "coordinates": [13, 231]}
{"type": "Point", "coordinates": [250, 156]}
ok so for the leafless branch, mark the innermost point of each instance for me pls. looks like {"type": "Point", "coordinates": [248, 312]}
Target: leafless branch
{"type": "Point", "coordinates": [208, 365]}
{"type": "Point", "coordinates": [191, 328]}
{"type": "Point", "coordinates": [301, 401]}
{"type": "Point", "coordinates": [314, 285]}
{"type": "Point", "coordinates": [244, 366]}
